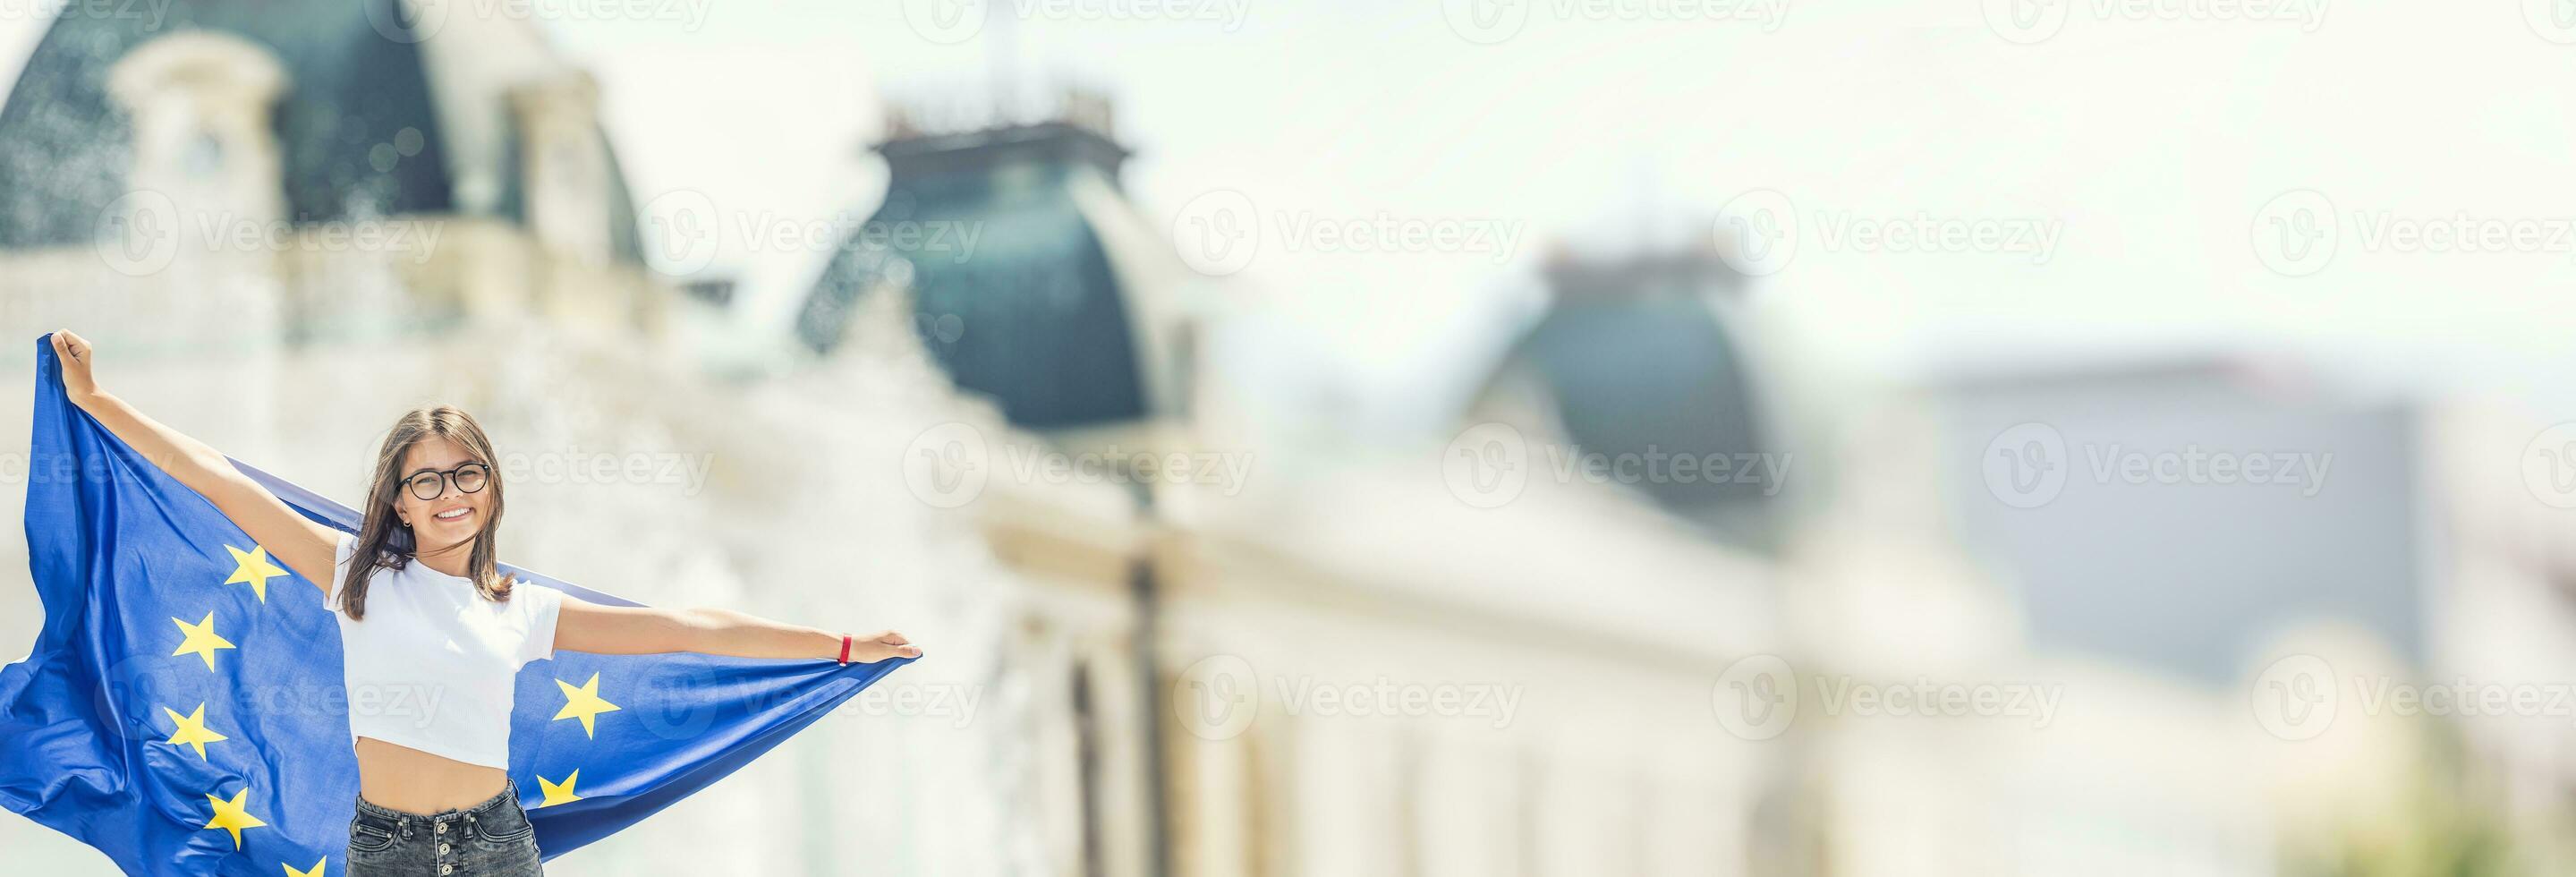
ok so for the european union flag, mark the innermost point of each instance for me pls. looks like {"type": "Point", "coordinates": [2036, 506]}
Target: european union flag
{"type": "Point", "coordinates": [183, 711]}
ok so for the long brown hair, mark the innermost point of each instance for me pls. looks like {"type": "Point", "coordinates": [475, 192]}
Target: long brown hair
{"type": "Point", "coordinates": [388, 543]}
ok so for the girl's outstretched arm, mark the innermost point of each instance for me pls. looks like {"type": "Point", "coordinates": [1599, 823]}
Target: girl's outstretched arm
{"type": "Point", "coordinates": [301, 544]}
{"type": "Point", "coordinates": [585, 626]}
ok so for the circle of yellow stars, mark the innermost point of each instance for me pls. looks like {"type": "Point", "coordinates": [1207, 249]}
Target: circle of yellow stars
{"type": "Point", "coordinates": [253, 568]}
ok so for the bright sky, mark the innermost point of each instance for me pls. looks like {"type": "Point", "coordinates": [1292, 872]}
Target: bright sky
{"type": "Point", "coordinates": [2142, 141]}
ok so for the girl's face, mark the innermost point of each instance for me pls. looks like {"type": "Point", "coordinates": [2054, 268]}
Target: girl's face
{"type": "Point", "coordinates": [461, 501]}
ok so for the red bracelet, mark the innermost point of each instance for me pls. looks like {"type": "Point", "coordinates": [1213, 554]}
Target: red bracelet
{"type": "Point", "coordinates": [845, 648]}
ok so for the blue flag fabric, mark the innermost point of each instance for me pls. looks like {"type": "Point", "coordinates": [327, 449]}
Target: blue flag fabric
{"type": "Point", "coordinates": [183, 711]}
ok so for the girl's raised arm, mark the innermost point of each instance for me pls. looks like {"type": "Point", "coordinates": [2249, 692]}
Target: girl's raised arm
{"type": "Point", "coordinates": [585, 626]}
{"type": "Point", "coordinates": [294, 540]}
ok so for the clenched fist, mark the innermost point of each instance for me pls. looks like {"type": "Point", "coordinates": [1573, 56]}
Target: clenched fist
{"type": "Point", "coordinates": [76, 355]}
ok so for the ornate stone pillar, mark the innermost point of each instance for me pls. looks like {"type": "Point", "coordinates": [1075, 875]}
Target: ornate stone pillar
{"type": "Point", "coordinates": [566, 181]}
{"type": "Point", "coordinates": [195, 240]}
{"type": "Point", "coordinates": [565, 166]}
{"type": "Point", "coordinates": [201, 103]}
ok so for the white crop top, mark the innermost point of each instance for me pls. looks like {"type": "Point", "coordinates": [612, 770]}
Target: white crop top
{"type": "Point", "coordinates": [434, 666]}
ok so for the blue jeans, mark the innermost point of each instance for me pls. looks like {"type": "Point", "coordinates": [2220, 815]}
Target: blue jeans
{"type": "Point", "coordinates": [490, 838]}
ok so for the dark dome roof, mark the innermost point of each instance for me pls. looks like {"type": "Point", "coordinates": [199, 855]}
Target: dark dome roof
{"type": "Point", "coordinates": [1034, 316]}
{"type": "Point", "coordinates": [1635, 361]}
{"type": "Point", "coordinates": [359, 126]}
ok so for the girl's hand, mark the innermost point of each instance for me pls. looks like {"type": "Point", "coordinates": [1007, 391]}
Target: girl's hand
{"type": "Point", "coordinates": [76, 355]}
{"type": "Point", "coordinates": [874, 647]}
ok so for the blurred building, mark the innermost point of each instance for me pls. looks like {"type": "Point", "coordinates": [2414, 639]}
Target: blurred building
{"type": "Point", "coordinates": [310, 170]}
{"type": "Point", "coordinates": [1186, 646]}
{"type": "Point", "coordinates": [1032, 280]}
{"type": "Point", "coordinates": [287, 222]}
{"type": "Point", "coordinates": [2194, 510]}
{"type": "Point", "coordinates": [1637, 355]}
{"type": "Point", "coordinates": [2179, 543]}
{"type": "Point", "coordinates": [1353, 673]}
{"type": "Point", "coordinates": [2505, 499]}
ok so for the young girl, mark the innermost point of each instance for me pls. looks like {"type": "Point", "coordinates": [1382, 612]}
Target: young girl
{"type": "Point", "coordinates": [421, 603]}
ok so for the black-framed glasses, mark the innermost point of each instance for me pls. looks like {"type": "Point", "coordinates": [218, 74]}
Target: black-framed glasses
{"type": "Point", "coordinates": [431, 483]}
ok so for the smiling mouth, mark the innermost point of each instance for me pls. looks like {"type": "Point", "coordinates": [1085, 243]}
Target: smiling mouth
{"type": "Point", "coordinates": [453, 514]}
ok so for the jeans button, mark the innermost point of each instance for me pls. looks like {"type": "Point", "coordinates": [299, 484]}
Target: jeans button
{"type": "Point", "coordinates": [442, 828]}
{"type": "Point", "coordinates": [442, 849]}
{"type": "Point", "coordinates": [447, 869]}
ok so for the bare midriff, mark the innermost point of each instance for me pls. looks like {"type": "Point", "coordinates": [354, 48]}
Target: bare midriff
{"type": "Point", "coordinates": [398, 777]}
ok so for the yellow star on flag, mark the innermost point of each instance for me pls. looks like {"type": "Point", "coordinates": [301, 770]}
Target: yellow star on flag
{"type": "Point", "coordinates": [254, 568]}
{"type": "Point", "coordinates": [583, 703]}
{"type": "Point", "coordinates": [233, 815]}
{"type": "Point", "coordinates": [192, 729]}
{"type": "Point", "coordinates": [316, 872]}
{"type": "Point", "coordinates": [201, 640]}
{"type": "Point", "coordinates": [558, 793]}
